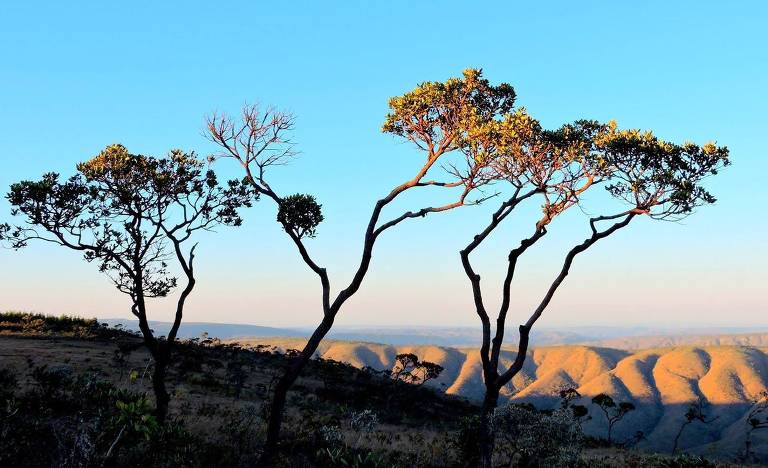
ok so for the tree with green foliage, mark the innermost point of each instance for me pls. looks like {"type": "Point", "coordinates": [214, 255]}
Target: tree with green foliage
{"type": "Point", "coordinates": [132, 215]}
{"type": "Point", "coordinates": [441, 119]}
{"type": "Point", "coordinates": [136, 417]}
{"type": "Point", "coordinates": [653, 178]}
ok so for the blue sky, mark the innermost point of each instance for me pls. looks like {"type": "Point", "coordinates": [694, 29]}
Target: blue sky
{"type": "Point", "coordinates": [74, 79]}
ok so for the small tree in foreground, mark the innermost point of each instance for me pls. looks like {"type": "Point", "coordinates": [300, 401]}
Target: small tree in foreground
{"type": "Point", "coordinates": [442, 119]}
{"type": "Point", "coordinates": [651, 177]}
{"type": "Point", "coordinates": [132, 215]}
{"type": "Point", "coordinates": [613, 412]}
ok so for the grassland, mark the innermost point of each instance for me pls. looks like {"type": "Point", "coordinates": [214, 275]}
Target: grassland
{"type": "Point", "coordinates": [81, 396]}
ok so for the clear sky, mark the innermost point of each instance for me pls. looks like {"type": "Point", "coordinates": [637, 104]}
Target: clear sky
{"type": "Point", "coordinates": [75, 77]}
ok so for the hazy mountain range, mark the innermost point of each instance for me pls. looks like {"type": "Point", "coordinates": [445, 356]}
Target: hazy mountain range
{"type": "Point", "coordinates": [614, 337]}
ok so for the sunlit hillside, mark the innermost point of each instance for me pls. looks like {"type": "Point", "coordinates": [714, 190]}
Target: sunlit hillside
{"type": "Point", "coordinates": [68, 375]}
{"type": "Point", "coordinates": [661, 382]}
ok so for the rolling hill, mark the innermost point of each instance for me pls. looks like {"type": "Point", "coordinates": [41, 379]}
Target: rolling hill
{"type": "Point", "coordinates": [661, 382]}
{"type": "Point", "coordinates": [213, 383]}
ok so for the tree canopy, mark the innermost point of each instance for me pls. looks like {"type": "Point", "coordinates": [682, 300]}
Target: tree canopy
{"type": "Point", "coordinates": [131, 214]}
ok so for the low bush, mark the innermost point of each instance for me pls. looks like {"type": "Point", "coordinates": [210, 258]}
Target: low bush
{"type": "Point", "coordinates": [42, 326]}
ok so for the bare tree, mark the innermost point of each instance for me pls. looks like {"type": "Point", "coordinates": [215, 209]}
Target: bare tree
{"type": "Point", "coordinates": [132, 215]}
{"type": "Point", "coordinates": [439, 118]}
{"type": "Point", "coordinates": [695, 412]}
{"type": "Point", "coordinates": [655, 178]}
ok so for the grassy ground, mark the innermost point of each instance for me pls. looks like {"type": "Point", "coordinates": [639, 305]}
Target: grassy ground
{"type": "Point", "coordinates": [219, 394]}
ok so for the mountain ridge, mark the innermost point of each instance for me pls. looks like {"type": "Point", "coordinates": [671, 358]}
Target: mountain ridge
{"type": "Point", "coordinates": [661, 382]}
{"type": "Point", "coordinates": [620, 337]}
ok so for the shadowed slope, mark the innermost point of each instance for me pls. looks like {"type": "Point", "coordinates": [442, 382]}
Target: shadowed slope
{"type": "Point", "coordinates": [660, 382]}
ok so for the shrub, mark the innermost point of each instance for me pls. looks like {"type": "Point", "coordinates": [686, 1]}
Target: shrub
{"type": "Point", "coordinates": [39, 325]}
{"type": "Point", "coordinates": [527, 436]}
{"type": "Point", "coordinates": [466, 443]}
{"type": "Point", "coordinates": [8, 384]}
{"type": "Point", "coordinates": [52, 381]}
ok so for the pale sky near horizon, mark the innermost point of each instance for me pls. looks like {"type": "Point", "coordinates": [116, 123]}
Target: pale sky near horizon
{"type": "Point", "coordinates": [74, 79]}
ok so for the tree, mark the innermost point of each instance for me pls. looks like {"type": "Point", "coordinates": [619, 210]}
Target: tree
{"type": "Point", "coordinates": [567, 396]}
{"type": "Point", "coordinates": [442, 120]}
{"type": "Point", "coordinates": [757, 419]}
{"type": "Point", "coordinates": [409, 369]}
{"type": "Point", "coordinates": [580, 413]}
{"type": "Point", "coordinates": [613, 412]}
{"type": "Point", "coordinates": [655, 178]}
{"type": "Point", "coordinates": [132, 215]}
{"type": "Point", "coordinates": [695, 412]}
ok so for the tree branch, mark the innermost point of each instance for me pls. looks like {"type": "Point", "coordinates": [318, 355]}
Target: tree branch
{"type": "Point", "coordinates": [501, 319]}
{"type": "Point", "coordinates": [525, 329]}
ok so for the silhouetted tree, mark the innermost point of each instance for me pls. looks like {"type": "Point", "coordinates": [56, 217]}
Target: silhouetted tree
{"type": "Point", "coordinates": [567, 396]}
{"type": "Point", "coordinates": [757, 419]}
{"type": "Point", "coordinates": [409, 369]}
{"type": "Point", "coordinates": [655, 178]}
{"type": "Point", "coordinates": [613, 412]}
{"type": "Point", "coordinates": [131, 215]}
{"type": "Point", "coordinates": [580, 413]}
{"type": "Point", "coordinates": [428, 371]}
{"type": "Point", "coordinates": [439, 118]}
{"type": "Point", "coordinates": [695, 412]}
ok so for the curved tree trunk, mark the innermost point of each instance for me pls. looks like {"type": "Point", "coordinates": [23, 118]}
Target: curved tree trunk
{"type": "Point", "coordinates": [490, 350]}
{"type": "Point", "coordinates": [677, 437]}
{"type": "Point", "coordinates": [277, 406]}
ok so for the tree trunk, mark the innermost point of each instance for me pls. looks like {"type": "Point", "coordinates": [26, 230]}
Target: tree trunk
{"type": "Point", "coordinates": [162, 398]}
{"type": "Point", "coordinates": [487, 436]}
{"type": "Point", "coordinates": [748, 447]}
{"type": "Point", "coordinates": [277, 408]}
{"type": "Point", "coordinates": [677, 437]}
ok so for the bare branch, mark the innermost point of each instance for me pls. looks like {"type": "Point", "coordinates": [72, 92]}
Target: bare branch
{"type": "Point", "coordinates": [504, 378]}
